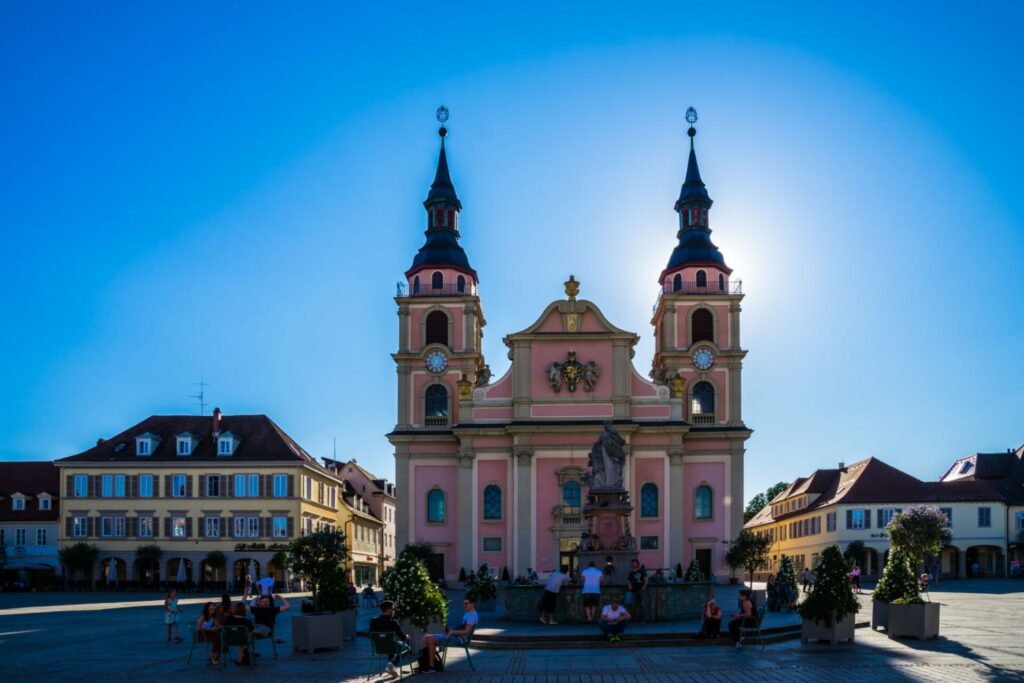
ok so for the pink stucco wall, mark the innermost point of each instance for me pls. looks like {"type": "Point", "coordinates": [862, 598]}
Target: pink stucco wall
{"type": "Point", "coordinates": [571, 410]}
{"type": "Point", "coordinates": [650, 469]}
{"type": "Point", "coordinates": [445, 536]}
{"type": "Point", "coordinates": [494, 472]}
{"type": "Point", "coordinates": [640, 387]}
{"type": "Point", "coordinates": [713, 474]}
{"type": "Point", "coordinates": [498, 413]}
{"type": "Point", "coordinates": [547, 496]}
{"type": "Point", "coordinates": [502, 388]}
{"type": "Point", "coordinates": [642, 411]}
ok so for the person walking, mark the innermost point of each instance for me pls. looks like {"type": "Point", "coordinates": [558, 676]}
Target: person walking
{"type": "Point", "coordinates": [855, 578]}
{"type": "Point", "coordinates": [614, 619]}
{"type": "Point", "coordinates": [549, 601]}
{"type": "Point", "coordinates": [593, 578]}
{"type": "Point", "coordinates": [637, 581]}
{"type": "Point", "coordinates": [171, 612]}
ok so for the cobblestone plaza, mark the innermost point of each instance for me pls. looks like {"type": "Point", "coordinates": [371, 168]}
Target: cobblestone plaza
{"type": "Point", "coordinates": [107, 638]}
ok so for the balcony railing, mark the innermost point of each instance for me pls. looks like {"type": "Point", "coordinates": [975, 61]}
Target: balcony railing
{"type": "Point", "coordinates": [703, 419]}
{"type": "Point", "coordinates": [436, 421]}
{"type": "Point", "coordinates": [467, 289]}
{"type": "Point", "coordinates": [693, 289]}
{"type": "Point", "coordinates": [567, 515]}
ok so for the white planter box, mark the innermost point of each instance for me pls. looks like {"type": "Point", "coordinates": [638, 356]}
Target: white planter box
{"type": "Point", "coordinates": [915, 621]}
{"type": "Point", "coordinates": [879, 615]}
{"type": "Point", "coordinates": [317, 631]}
{"type": "Point", "coordinates": [348, 624]}
{"type": "Point", "coordinates": [843, 630]}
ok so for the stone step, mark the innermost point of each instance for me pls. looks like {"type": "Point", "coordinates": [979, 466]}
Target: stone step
{"type": "Point", "coordinates": [552, 634]}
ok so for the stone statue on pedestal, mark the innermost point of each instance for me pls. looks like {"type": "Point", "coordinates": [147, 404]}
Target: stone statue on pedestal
{"type": "Point", "coordinates": [607, 460]}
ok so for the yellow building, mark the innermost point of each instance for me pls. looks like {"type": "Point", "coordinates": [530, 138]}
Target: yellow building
{"type": "Point", "coordinates": [981, 495]}
{"type": "Point", "coordinates": [192, 485]}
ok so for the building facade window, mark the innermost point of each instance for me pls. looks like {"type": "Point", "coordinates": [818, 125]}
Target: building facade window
{"type": "Point", "coordinates": [40, 536]}
{"type": "Point", "coordinates": [184, 445]}
{"type": "Point", "coordinates": [436, 511]}
{"type": "Point", "coordinates": [79, 526]}
{"type": "Point", "coordinates": [885, 516]}
{"type": "Point", "coordinates": [830, 521]}
{"type": "Point", "coordinates": [45, 504]}
{"type": "Point", "coordinates": [143, 446]}
{"type": "Point", "coordinates": [225, 445]}
{"type": "Point", "coordinates": [178, 482]}
{"type": "Point", "coordinates": [437, 281]}
{"type": "Point", "coordinates": [280, 527]}
{"type": "Point", "coordinates": [949, 515]}
{"type": "Point", "coordinates": [18, 503]}
{"type": "Point", "coordinates": [702, 326]}
{"type": "Point", "coordinates": [145, 527]}
{"type": "Point", "coordinates": [19, 537]}
{"type": "Point", "coordinates": [571, 494]}
{"type": "Point", "coordinates": [145, 485]}
{"type": "Point", "coordinates": [81, 485]}
{"type": "Point", "coordinates": [119, 481]}
{"type": "Point", "coordinates": [984, 517]}
{"type": "Point", "coordinates": [648, 543]}
{"type": "Point", "coordinates": [212, 525]}
{"type": "Point", "coordinates": [492, 544]}
{"type": "Point", "coordinates": [702, 502]}
{"type": "Point", "coordinates": [649, 500]}
{"type": "Point", "coordinates": [179, 526]}
{"type": "Point", "coordinates": [254, 485]}
{"type": "Point", "coordinates": [436, 406]}
{"type": "Point", "coordinates": [212, 485]}
{"type": "Point", "coordinates": [437, 328]}
{"type": "Point", "coordinates": [703, 404]}
{"type": "Point", "coordinates": [280, 485]}
{"type": "Point", "coordinates": [107, 485]}
{"type": "Point", "coordinates": [460, 284]}
{"type": "Point", "coordinates": [858, 519]}
{"type": "Point", "coordinates": [106, 526]}
{"type": "Point", "coordinates": [492, 502]}
{"type": "Point", "coordinates": [702, 278]}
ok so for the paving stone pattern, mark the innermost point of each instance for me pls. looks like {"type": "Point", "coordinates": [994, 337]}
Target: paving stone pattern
{"type": "Point", "coordinates": [72, 637]}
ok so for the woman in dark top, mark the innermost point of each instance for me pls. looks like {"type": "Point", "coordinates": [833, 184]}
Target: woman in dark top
{"type": "Point", "coordinates": [745, 617]}
{"type": "Point", "coordinates": [237, 618]}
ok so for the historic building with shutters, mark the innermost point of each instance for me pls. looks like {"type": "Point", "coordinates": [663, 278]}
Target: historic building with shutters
{"type": "Point", "coordinates": [191, 485]}
{"type": "Point", "coordinates": [29, 523]}
{"type": "Point", "coordinates": [491, 469]}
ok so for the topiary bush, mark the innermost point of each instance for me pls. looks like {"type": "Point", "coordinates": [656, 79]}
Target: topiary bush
{"type": "Point", "coordinates": [693, 572]}
{"type": "Point", "coordinates": [898, 582]}
{"type": "Point", "coordinates": [485, 587]}
{"type": "Point", "coordinates": [787, 572]}
{"type": "Point", "coordinates": [831, 599]}
{"type": "Point", "coordinates": [416, 597]}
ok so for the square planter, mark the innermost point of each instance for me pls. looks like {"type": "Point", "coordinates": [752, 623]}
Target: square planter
{"type": "Point", "coordinates": [842, 630]}
{"type": "Point", "coordinates": [317, 631]}
{"type": "Point", "coordinates": [879, 615]}
{"type": "Point", "coordinates": [416, 635]}
{"type": "Point", "coordinates": [348, 624]}
{"type": "Point", "coordinates": [915, 621]}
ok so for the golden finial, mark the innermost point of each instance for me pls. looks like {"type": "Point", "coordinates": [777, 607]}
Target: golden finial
{"type": "Point", "coordinates": [572, 287]}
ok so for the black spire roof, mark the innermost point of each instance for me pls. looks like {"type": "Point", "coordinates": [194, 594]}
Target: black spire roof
{"type": "Point", "coordinates": [695, 245]}
{"type": "Point", "coordinates": [442, 247]}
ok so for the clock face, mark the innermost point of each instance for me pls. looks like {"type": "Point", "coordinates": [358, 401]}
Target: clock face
{"type": "Point", "coordinates": [436, 361]}
{"type": "Point", "coordinates": [703, 359]}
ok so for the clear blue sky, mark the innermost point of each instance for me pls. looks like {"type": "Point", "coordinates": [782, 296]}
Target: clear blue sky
{"type": "Point", "coordinates": [231, 190]}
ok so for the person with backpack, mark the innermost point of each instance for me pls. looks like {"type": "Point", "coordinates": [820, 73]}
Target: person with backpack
{"type": "Point", "coordinates": [459, 636]}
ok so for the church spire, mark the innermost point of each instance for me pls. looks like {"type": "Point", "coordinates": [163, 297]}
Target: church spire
{"type": "Point", "coordinates": [442, 248]}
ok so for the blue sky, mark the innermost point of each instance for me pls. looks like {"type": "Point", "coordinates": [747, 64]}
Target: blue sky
{"type": "Point", "coordinates": [231, 190]}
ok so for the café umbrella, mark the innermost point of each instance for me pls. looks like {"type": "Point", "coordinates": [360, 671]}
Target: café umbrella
{"type": "Point", "coordinates": [112, 571]}
{"type": "Point", "coordinates": [182, 578]}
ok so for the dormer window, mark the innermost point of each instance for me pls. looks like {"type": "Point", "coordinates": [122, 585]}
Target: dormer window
{"type": "Point", "coordinates": [145, 444]}
{"type": "Point", "coordinates": [186, 443]}
{"type": "Point", "coordinates": [18, 501]}
{"type": "Point", "coordinates": [226, 444]}
{"type": "Point", "coordinates": [45, 502]}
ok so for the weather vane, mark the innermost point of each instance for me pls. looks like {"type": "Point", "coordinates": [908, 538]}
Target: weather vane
{"type": "Point", "coordinates": [442, 117]}
{"type": "Point", "coordinates": [691, 118]}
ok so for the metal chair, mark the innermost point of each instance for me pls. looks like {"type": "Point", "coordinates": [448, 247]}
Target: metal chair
{"type": "Point", "coordinates": [236, 636]}
{"type": "Point", "coordinates": [384, 645]}
{"type": "Point", "coordinates": [465, 646]}
{"type": "Point", "coordinates": [756, 628]}
{"type": "Point", "coordinates": [195, 640]}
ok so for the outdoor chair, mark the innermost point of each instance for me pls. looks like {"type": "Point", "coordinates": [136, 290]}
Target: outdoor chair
{"type": "Point", "coordinates": [236, 636]}
{"type": "Point", "coordinates": [756, 629]}
{"type": "Point", "coordinates": [383, 646]}
{"type": "Point", "coordinates": [195, 641]}
{"type": "Point", "coordinates": [465, 646]}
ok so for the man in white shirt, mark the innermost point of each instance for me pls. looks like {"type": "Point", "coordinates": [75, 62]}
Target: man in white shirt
{"type": "Point", "coordinates": [593, 578]}
{"type": "Point", "coordinates": [550, 599]}
{"type": "Point", "coordinates": [614, 618]}
{"type": "Point", "coordinates": [266, 586]}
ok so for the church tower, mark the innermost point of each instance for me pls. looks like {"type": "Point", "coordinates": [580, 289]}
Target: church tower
{"type": "Point", "coordinates": [697, 317]}
{"type": "Point", "coordinates": [440, 357]}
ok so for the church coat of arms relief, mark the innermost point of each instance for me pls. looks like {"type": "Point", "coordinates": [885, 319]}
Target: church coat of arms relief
{"type": "Point", "coordinates": [571, 373]}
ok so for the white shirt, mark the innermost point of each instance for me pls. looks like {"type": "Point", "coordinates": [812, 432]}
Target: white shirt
{"type": "Point", "coordinates": [555, 581]}
{"type": "Point", "coordinates": [266, 585]}
{"type": "Point", "coordinates": [592, 580]}
{"type": "Point", "coordinates": [610, 614]}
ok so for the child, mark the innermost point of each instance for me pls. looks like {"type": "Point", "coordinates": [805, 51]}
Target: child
{"type": "Point", "coordinates": [171, 615]}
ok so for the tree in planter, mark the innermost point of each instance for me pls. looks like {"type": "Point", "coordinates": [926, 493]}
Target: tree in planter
{"type": "Point", "coordinates": [334, 595]}
{"type": "Point", "coordinates": [785, 584]}
{"type": "Point", "coordinates": [693, 572]}
{"type": "Point", "coordinates": [787, 572]}
{"type": "Point", "coordinates": [898, 580]}
{"type": "Point", "coordinates": [416, 597]}
{"type": "Point", "coordinates": [920, 531]}
{"type": "Point", "coordinates": [505, 576]}
{"type": "Point", "coordinates": [216, 560]}
{"type": "Point", "coordinates": [148, 557]}
{"type": "Point", "coordinates": [485, 588]}
{"type": "Point", "coordinates": [80, 557]}
{"type": "Point", "coordinates": [280, 562]}
{"type": "Point", "coordinates": [751, 551]}
{"type": "Point", "coordinates": [831, 599]}
{"type": "Point", "coordinates": [854, 554]}
{"type": "Point", "coordinates": [319, 558]}
{"type": "Point", "coordinates": [733, 558]}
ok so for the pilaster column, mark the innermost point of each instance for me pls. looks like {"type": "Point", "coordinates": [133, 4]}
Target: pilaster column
{"type": "Point", "coordinates": [734, 513]}
{"type": "Point", "coordinates": [404, 394]}
{"type": "Point", "coordinates": [466, 539]}
{"type": "Point", "coordinates": [676, 508]}
{"type": "Point", "coordinates": [403, 329]}
{"type": "Point", "coordinates": [735, 392]}
{"type": "Point", "coordinates": [524, 506]}
{"type": "Point", "coordinates": [404, 503]}
{"type": "Point", "coordinates": [734, 325]}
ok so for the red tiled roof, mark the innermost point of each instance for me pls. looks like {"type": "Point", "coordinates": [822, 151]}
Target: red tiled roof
{"type": "Point", "coordinates": [30, 478]}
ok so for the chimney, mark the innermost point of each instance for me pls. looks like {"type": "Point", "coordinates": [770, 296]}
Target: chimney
{"type": "Point", "coordinates": [216, 421]}
{"type": "Point", "coordinates": [842, 465]}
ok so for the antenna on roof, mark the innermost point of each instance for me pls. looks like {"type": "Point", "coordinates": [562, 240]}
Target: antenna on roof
{"type": "Point", "coordinates": [201, 396]}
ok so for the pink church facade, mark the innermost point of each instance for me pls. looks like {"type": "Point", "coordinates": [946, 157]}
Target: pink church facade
{"type": "Point", "coordinates": [491, 470]}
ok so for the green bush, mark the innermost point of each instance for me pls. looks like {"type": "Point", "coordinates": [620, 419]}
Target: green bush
{"type": "Point", "coordinates": [416, 597]}
{"type": "Point", "coordinates": [693, 572]}
{"type": "Point", "coordinates": [831, 598]}
{"type": "Point", "coordinates": [485, 587]}
{"type": "Point", "coordinates": [898, 582]}
{"type": "Point", "coordinates": [319, 558]}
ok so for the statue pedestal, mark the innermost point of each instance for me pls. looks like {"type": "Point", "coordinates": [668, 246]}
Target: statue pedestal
{"type": "Point", "coordinates": [610, 545]}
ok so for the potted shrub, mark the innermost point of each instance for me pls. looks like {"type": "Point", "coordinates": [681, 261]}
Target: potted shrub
{"type": "Point", "coordinates": [319, 559]}
{"type": "Point", "coordinates": [733, 558]}
{"type": "Point", "coordinates": [918, 533]}
{"type": "Point", "coordinates": [897, 581]}
{"type": "Point", "coordinates": [80, 557]}
{"type": "Point", "coordinates": [484, 591]}
{"type": "Point", "coordinates": [785, 585]}
{"type": "Point", "coordinates": [828, 611]}
{"type": "Point", "coordinates": [419, 604]}
{"type": "Point", "coordinates": [749, 551]}
{"type": "Point", "coordinates": [462, 577]}
{"type": "Point", "coordinates": [693, 573]}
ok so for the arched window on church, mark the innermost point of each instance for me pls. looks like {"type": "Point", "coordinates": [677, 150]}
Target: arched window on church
{"type": "Point", "coordinates": [677, 282]}
{"type": "Point", "coordinates": [571, 494]}
{"type": "Point", "coordinates": [492, 502]}
{"type": "Point", "coordinates": [437, 281]}
{"type": "Point", "coordinates": [721, 282]}
{"type": "Point", "coordinates": [460, 284]}
{"type": "Point", "coordinates": [702, 500]}
{"type": "Point", "coordinates": [702, 407]}
{"type": "Point", "coordinates": [702, 278]}
{"type": "Point", "coordinates": [702, 326]}
{"type": "Point", "coordinates": [649, 500]}
{"type": "Point", "coordinates": [436, 406]}
{"type": "Point", "coordinates": [436, 507]}
{"type": "Point", "coordinates": [437, 328]}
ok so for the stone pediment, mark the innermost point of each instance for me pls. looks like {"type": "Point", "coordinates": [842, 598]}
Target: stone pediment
{"type": "Point", "coordinates": [571, 317]}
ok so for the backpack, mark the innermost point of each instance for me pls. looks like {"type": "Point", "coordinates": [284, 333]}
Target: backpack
{"type": "Point", "coordinates": [423, 660]}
